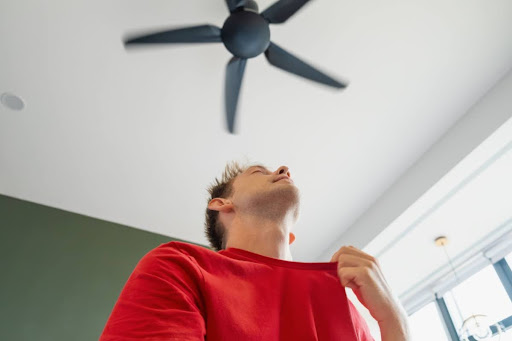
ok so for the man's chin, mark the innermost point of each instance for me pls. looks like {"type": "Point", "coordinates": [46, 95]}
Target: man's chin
{"type": "Point", "coordinates": [288, 194]}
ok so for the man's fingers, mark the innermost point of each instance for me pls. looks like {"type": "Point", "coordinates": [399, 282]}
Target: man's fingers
{"type": "Point", "coordinates": [352, 251]}
{"type": "Point", "coordinates": [349, 260]}
{"type": "Point", "coordinates": [346, 250]}
{"type": "Point", "coordinates": [347, 277]}
{"type": "Point", "coordinates": [353, 277]}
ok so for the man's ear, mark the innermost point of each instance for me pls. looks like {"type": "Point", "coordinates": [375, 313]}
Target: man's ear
{"type": "Point", "coordinates": [292, 238]}
{"type": "Point", "coordinates": [220, 204]}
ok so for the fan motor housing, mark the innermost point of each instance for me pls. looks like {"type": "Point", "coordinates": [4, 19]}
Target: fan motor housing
{"type": "Point", "coordinates": [246, 34]}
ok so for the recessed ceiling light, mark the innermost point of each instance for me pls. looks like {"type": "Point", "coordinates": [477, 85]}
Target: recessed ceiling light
{"type": "Point", "coordinates": [12, 102]}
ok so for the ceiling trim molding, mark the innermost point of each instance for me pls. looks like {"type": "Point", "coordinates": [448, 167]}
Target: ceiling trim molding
{"type": "Point", "coordinates": [463, 183]}
{"type": "Point", "coordinates": [482, 253]}
{"type": "Point", "coordinates": [480, 122]}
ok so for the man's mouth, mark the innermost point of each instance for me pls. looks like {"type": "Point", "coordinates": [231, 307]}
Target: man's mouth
{"type": "Point", "coordinates": [284, 178]}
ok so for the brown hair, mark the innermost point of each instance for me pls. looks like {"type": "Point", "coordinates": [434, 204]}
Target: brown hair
{"type": "Point", "coordinates": [223, 188]}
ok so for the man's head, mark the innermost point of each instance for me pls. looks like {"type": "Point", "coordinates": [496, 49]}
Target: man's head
{"type": "Point", "coordinates": [252, 190]}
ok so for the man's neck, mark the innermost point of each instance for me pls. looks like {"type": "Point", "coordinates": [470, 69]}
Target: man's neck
{"type": "Point", "coordinates": [264, 237]}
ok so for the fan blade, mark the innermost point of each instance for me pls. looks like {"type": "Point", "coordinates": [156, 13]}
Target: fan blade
{"type": "Point", "coordinates": [281, 10]}
{"type": "Point", "coordinates": [286, 61]}
{"type": "Point", "coordinates": [234, 74]}
{"type": "Point", "coordinates": [193, 34]}
{"type": "Point", "coordinates": [234, 4]}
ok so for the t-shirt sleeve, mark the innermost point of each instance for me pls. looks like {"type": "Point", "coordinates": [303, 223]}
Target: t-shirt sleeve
{"type": "Point", "coordinates": [360, 325]}
{"type": "Point", "coordinates": [160, 301]}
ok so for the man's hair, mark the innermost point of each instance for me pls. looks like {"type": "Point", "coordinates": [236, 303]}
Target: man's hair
{"type": "Point", "coordinates": [223, 188]}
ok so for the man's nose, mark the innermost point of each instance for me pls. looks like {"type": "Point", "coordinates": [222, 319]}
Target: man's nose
{"type": "Point", "coordinates": [283, 170]}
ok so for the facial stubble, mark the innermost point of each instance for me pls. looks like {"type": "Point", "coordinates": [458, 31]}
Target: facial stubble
{"type": "Point", "coordinates": [275, 204]}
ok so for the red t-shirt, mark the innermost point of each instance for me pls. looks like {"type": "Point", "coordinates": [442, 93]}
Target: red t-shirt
{"type": "Point", "coordinates": [180, 291]}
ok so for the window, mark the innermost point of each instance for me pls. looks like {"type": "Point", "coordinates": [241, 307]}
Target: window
{"type": "Point", "coordinates": [482, 293]}
{"type": "Point", "coordinates": [509, 260]}
{"type": "Point", "coordinates": [426, 324]}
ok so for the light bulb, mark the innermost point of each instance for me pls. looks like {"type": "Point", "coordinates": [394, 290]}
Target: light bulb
{"type": "Point", "coordinates": [477, 326]}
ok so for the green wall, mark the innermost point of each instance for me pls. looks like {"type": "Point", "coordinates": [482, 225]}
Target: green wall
{"type": "Point", "coordinates": [61, 272]}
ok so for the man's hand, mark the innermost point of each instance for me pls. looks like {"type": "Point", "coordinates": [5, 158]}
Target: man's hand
{"type": "Point", "coordinates": [361, 272]}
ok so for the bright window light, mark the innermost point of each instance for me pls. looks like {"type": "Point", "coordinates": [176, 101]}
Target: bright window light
{"type": "Point", "coordinates": [509, 260]}
{"type": "Point", "coordinates": [426, 325]}
{"type": "Point", "coordinates": [482, 293]}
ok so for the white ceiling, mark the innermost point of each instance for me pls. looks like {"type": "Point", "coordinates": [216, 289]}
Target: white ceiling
{"type": "Point", "coordinates": [135, 137]}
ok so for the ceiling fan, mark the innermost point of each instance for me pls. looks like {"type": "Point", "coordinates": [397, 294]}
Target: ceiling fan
{"type": "Point", "coordinates": [246, 34]}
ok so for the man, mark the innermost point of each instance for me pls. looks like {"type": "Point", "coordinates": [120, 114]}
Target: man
{"type": "Point", "coordinates": [250, 289]}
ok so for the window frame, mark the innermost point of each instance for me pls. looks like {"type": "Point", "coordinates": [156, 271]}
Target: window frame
{"type": "Point", "coordinates": [504, 272]}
